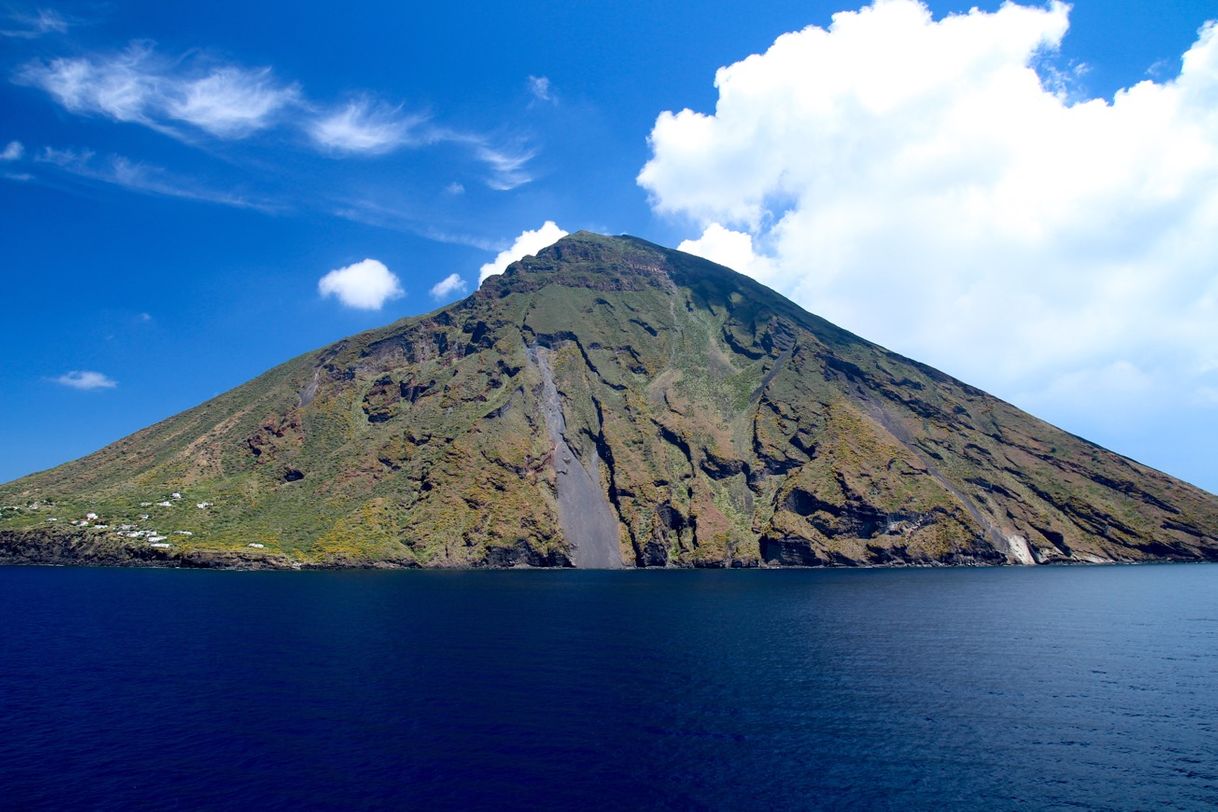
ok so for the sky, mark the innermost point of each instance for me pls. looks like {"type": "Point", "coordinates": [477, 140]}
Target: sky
{"type": "Point", "coordinates": [1024, 196]}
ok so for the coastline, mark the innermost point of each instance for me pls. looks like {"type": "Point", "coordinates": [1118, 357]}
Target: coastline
{"type": "Point", "coordinates": [40, 549]}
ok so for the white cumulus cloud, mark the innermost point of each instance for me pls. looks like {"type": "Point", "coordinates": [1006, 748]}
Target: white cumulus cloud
{"type": "Point", "coordinates": [528, 243]}
{"type": "Point", "coordinates": [86, 380]}
{"type": "Point", "coordinates": [733, 249]}
{"type": "Point", "coordinates": [12, 152]}
{"type": "Point", "coordinates": [453, 283]}
{"type": "Point", "coordinates": [918, 181]}
{"type": "Point", "coordinates": [366, 285]}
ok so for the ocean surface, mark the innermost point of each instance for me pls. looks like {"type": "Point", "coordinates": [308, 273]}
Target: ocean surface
{"type": "Point", "coordinates": [1046, 688]}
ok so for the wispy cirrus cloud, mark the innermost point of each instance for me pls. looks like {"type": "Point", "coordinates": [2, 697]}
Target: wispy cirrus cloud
{"type": "Point", "coordinates": [136, 176]}
{"type": "Point", "coordinates": [381, 215]}
{"type": "Point", "coordinates": [508, 166]}
{"type": "Point", "coordinates": [196, 94]}
{"type": "Point", "coordinates": [34, 24]}
{"type": "Point", "coordinates": [117, 86]}
{"type": "Point", "coordinates": [366, 126]}
{"type": "Point", "coordinates": [138, 86]}
{"type": "Point", "coordinates": [541, 89]}
{"type": "Point", "coordinates": [231, 102]}
{"type": "Point", "coordinates": [12, 153]}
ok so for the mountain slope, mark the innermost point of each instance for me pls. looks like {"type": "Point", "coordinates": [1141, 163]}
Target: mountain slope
{"type": "Point", "coordinates": [609, 403]}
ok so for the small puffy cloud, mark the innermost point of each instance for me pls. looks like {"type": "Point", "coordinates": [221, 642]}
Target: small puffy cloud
{"type": "Point", "coordinates": [12, 152]}
{"type": "Point", "coordinates": [362, 126]}
{"type": "Point", "coordinates": [733, 249]}
{"type": "Point", "coordinates": [446, 287]}
{"type": "Point", "coordinates": [366, 285]}
{"type": "Point", "coordinates": [85, 380]}
{"type": "Point", "coordinates": [539, 86]}
{"type": "Point", "coordinates": [528, 243]}
{"type": "Point", "coordinates": [455, 188]}
{"type": "Point", "coordinates": [135, 85]}
{"type": "Point", "coordinates": [936, 185]}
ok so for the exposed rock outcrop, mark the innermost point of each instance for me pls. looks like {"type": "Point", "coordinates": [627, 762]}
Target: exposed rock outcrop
{"type": "Point", "coordinates": [605, 403]}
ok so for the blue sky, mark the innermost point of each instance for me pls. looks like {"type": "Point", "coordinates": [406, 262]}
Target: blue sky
{"type": "Point", "coordinates": [176, 182]}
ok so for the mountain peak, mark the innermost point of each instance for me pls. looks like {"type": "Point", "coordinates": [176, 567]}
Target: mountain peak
{"type": "Point", "coordinates": [606, 402]}
{"type": "Point", "coordinates": [586, 259]}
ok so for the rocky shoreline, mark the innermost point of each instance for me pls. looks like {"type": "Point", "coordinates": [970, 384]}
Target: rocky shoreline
{"type": "Point", "coordinates": [82, 549]}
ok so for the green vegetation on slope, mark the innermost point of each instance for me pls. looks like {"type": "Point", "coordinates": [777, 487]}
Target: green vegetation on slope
{"type": "Point", "coordinates": [729, 427]}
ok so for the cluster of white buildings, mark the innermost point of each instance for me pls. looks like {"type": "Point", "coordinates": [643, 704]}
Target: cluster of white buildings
{"type": "Point", "coordinates": [154, 537]}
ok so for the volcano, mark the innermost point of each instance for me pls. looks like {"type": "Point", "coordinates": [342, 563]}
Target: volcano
{"type": "Point", "coordinates": [607, 403]}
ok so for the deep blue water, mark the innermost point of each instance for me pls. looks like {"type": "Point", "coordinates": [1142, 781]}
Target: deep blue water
{"type": "Point", "coordinates": [1071, 688]}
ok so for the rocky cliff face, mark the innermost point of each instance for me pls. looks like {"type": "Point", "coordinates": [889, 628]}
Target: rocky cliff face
{"type": "Point", "coordinates": [606, 403]}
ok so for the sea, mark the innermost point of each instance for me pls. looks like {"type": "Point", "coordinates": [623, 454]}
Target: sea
{"type": "Point", "coordinates": [1007, 688]}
